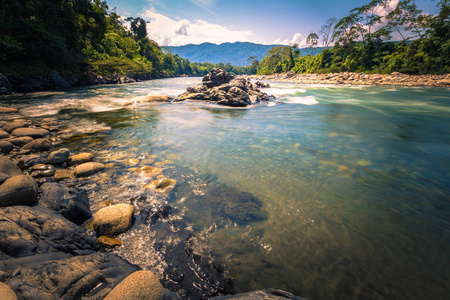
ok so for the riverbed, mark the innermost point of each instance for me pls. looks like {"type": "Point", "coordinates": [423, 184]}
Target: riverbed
{"type": "Point", "coordinates": [351, 183]}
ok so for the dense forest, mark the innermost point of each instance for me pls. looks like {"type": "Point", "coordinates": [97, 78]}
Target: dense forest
{"type": "Point", "coordinates": [78, 37]}
{"type": "Point", "coordinates": [362, 43]}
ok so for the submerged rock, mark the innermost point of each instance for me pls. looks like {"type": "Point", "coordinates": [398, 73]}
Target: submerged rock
{"type": "Point", "coordinates": [113, 220]}
{"type": "Point", "coordinates": [63, 174]}
{"type": "Point", "coordinates": [139, 285]}
{"type": "Point", "coordinates": [149, 99]}
{"type": "Point", "coordinates": [161, 185]}
{"type": "Point", "coordinates": [88, 169]}
{"type": "Point", "coordinates": [148, 171]}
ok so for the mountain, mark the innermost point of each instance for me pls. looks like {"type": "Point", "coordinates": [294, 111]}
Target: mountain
{"type": "Point", "coordinates": [236, 53]}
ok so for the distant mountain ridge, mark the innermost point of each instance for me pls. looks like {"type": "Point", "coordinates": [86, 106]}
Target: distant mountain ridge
{"type": "Point", "coordinates": [236, 53]}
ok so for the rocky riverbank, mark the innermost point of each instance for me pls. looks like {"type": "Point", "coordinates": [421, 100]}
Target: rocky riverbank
{"type": "Point", "coordinates": [395, 78]}
{"type": "Point", "coordinates": [52, 246]}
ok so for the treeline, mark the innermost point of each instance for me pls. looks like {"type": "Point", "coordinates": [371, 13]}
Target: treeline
{"type": "Point", "coordinates": [363, 43]}
{"type": "Point", "coordinates": [76, 37]}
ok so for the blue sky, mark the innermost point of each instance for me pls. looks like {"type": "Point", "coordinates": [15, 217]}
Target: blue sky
{"type": "Point", "coordinates": [178, 22]}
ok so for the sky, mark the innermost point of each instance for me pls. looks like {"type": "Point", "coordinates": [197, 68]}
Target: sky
{"type": "Point", "coordinates": [181, 22]}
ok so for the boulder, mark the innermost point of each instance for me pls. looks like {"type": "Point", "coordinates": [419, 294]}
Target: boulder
{"type": "Point", "coordinates": [16, 124]}
{"type": "Point", "coordinates": [18, 190]}
{"type": "Point", "coordinates": [216, 77]}
{"type": "Point", "coordinates": [34, 230]}
{"type": "Point", "coordinates": [38, 145]}
{"type": "Point", "coordinates": [6, 147]}
{"type": "Point", "coordinates": [269, 294]}
{"type": "Point", "coordinates": [88, 169]}
{"type": "Point", "coordinates": [4, 134]}
{"type": "Point", "coordinates": [7, 292]}
{"type": "Point", "coordinates": [59, 157]}
{"type": "Point", "coordinates": [64, 276]}
{"type": "Point", "coordinates": [139, 285]}
{"type": "Point", "coordinates": [69, 202]}
{"type": "Point", "coordinates": [149, 99]}
{"type": "Point", "coordinates": [80, 158]}
{"type": "Point", "coordinates": [31, 132]}
{"type": "Point", "coordinates": [236, 97]}
{"type": "Point", "coordinates": [113, 220]}
{"type": "Point", "coordinates": [20, 141]}
{"type": "Point", "coordinates": [63, 174]}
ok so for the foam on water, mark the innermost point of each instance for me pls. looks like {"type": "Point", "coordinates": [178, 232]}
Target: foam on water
{"type": "Point", "coordinates": [307, 100]}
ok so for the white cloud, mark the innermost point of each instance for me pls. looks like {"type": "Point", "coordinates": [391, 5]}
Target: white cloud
{"type": "Point", "coordinates": [298, 39]}
{"type": "Point", "coordinates": [168, 32]}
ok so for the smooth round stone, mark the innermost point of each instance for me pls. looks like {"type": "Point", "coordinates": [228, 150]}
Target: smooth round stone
{"type": "Point", "coordinates": [6, 147]}
{"type": "Point", "coordinates": [16, 124]}
{"type": "Point", "coordinates": [4, 134]}
{"type": "Point", "coordinates": [18, 190]}
{"type": "Point", "coordinates": [59, 157]}
{"type": "Point", "coordinates": [148, 171]}
{"type": "Point", "coordinates": [80, 158]}
{"type": "Point", "coordinates": [21, 141]}
{"type": "Point", "coordinates": [32, 132]}
{"type": "Point", "coordinates": [8, 167]}
{"type": "Point", "coordinates": [63, 174]}
{"type": "Point", "coordinates": [108, 242]}
{"type": "Point", "coordinates": [161, 185]}
{"type": "Point", "coordinates": [6, 292]}
{"type": "Point", "coordinates": [42, 170]}
{"type": "Point", "coordinates": [138, 285]}
{"type": "Point", "coordinates": [113, 220]}
{"type": "Point", "coordinates": [88, 169]}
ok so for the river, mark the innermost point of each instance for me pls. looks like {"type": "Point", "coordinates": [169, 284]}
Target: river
{"type": "Point", "coordinates": [353, 182]}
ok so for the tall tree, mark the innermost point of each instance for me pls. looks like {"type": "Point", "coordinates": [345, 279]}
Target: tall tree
{"type": "Point", "coordinates": [327, 31]}
{"type": "Point", "coordinates": [313, 40]}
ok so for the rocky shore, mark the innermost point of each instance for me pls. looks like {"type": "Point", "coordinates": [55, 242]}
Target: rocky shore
{"type": "Point", "coordinates": [52, 245]}
{"type": "Point", "coordinates": [395, 78]}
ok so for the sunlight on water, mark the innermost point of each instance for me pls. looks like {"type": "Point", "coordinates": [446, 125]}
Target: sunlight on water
{"type": "Point", "coordinates": [353, 182]}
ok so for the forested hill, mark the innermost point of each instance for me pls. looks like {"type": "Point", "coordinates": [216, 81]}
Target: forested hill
{"type": "Point", "coordinates": [236, 54]}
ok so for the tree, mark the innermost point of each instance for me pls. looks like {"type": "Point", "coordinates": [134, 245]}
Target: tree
{"type": "Point", "coordinates": [138, 27]}
{"type": "Point", "coordinates": [327, 31]}
{"type": "Point", "coordinates": [312, 39]}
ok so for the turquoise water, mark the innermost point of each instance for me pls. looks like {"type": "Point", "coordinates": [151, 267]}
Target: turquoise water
{"type": "Point", "coordinates": [354, 181]}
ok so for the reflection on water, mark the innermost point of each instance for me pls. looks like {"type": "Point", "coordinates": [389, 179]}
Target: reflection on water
{"type": "Point", "coordinates": [348, 198]}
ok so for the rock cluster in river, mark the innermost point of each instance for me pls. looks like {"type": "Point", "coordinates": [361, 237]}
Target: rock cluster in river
{"type": "Point", "coordinates": [394, 78]}
{"type": "Point", "coordinates": [225, 89]}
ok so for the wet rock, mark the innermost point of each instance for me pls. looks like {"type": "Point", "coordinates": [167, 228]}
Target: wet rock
{"type": "Point", "coordinates": [88, 169]}
{"type": "Point", "coordinates": [42, 170]}
{"type": "Point", "coordinates": [148, 171]}
{"type": "Point", "coordinates": [139, 285]}
{"type": "Point", "coordinates": [59, 157]}
{"type": "Point", "coordinates": [235, 97]}
{"type": "Point", "coordinates": [147, 161]}
{"type": "Point", "coordinates": [80, 158]}
{"type": "Point", "coordinates": [113, 220]}
{"type": "Point", "coordinates": [108, 242]}
{"type": "Point", "coordinates": [31, 132]}
{"type": "Point", "coordinates": [63, 174]}
{"type": "Point", "coordinates": [8, 167]}
{"type": "Point", "coordinates": [6, 147]}
{"type": "Point", "coordinates": [5, 86]}
{"type": "Point", "coordinates": [28, 161]}
{"type": "Point", "coordinates": [38, 145]}
{"type": "Point", "coordinates": [161, 185]}
{"type": "Point", "coordinates": [269, 294]}
{"type": "Point", "coordinates": [216, 77]}
{"type": "Point", "coordinates": [7, 292]}
{"type": "Point", "coordinates": [16, 124]}
{"type": "Point", "coordinates": [4, 134]}
{"type": "Point", "coordinates": [149, 99]}
{"type": "Point", "coordinates": [69, 202]}
{"type": "Point", "coordinates": [62, 276]}
{"type": "Point", "coordinates": [20, 141]}
{"type": "Point", "coordinates": [18, 190]}
{"type": "Point", "coordinates": [34, 230]}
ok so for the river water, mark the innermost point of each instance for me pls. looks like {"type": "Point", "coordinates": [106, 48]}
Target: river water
{"type": "Point", "coordinates": [353, 182]}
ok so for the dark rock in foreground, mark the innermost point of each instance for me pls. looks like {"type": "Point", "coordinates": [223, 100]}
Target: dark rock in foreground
{"type": "Point", "coordinates": [63, 276]}
{"type": "Point", "coordinates": [36, 230]}
{"type": "Point", "coordinates": [225, 89]}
